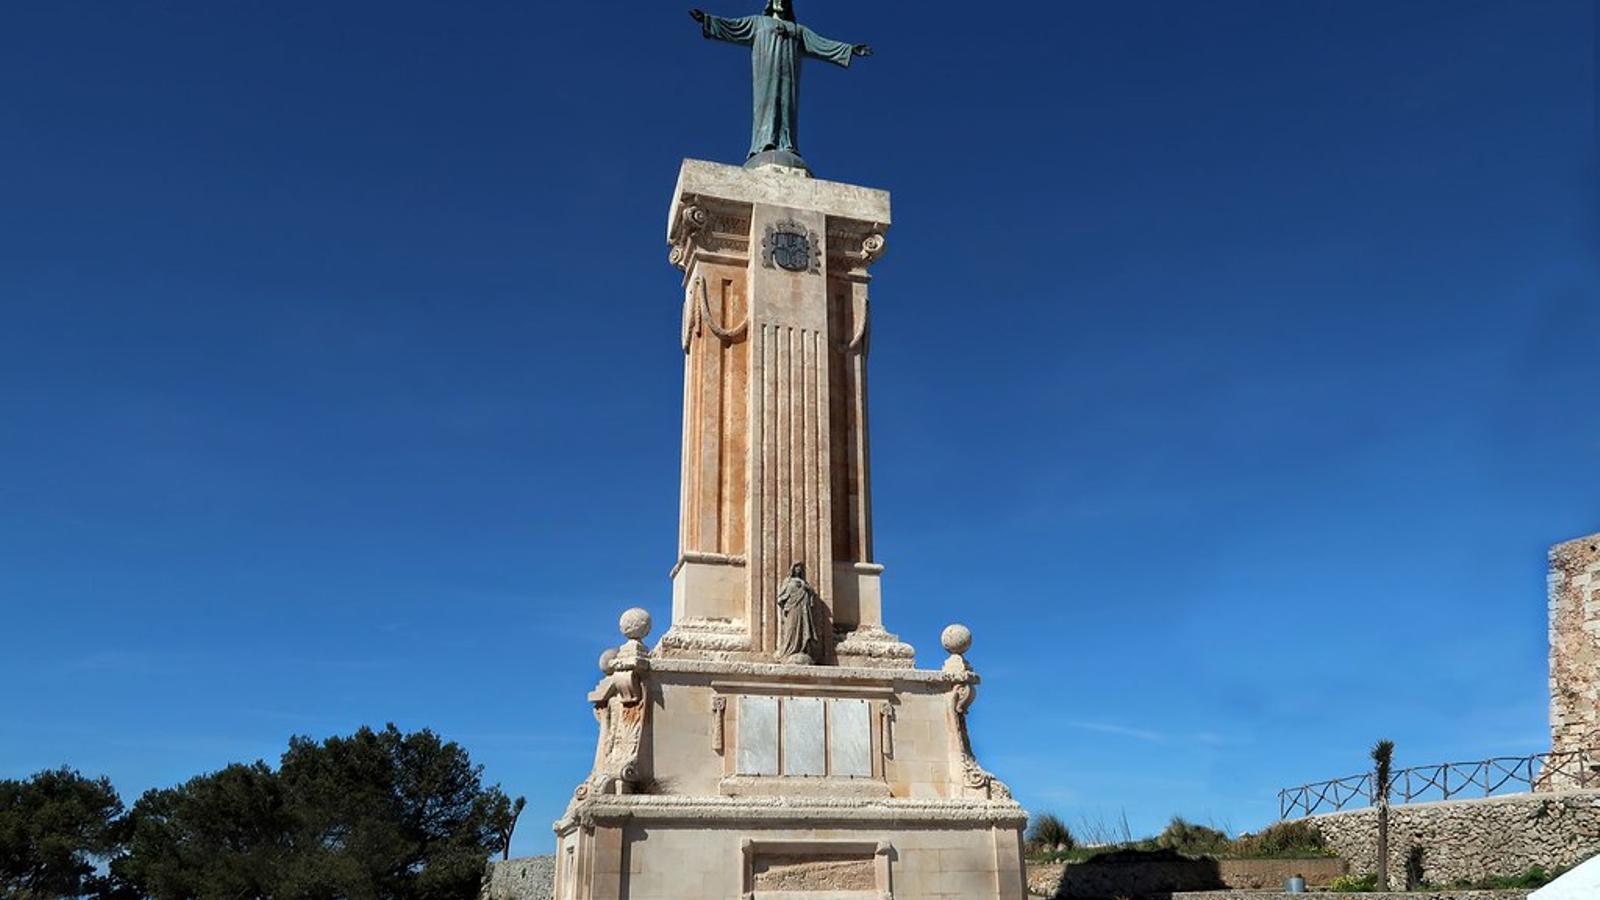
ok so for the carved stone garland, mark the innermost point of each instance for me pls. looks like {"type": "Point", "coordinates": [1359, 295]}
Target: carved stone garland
{"type": "Point", "coordinates": [697, 317]}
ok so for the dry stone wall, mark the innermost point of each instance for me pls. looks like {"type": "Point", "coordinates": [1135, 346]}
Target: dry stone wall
{"type": "Point", "coordinates": [529, 878]}
{"type": "Point", "coordinates": [1423, 895]}
{"type": "Point", "coordinates": [1469, 840]}
{"type": "Point", "coordinates": [1161, 876]}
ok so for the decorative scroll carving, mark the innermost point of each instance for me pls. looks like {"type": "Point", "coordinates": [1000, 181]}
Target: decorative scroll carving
{"type": "Point", "coordinates": [873, 247]}
{"type": "Point", "coordinates": [691, 222]}
{"type": "Point", "coordinates": [622, 712]}
{"type": "Point", "coordinates": [973, 776]}
{"type": "Point", "coordinates": [719, 715]}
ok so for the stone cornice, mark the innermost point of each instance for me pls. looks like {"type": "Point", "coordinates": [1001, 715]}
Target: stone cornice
{"type": "Point", "coordinates": [794, 811]}
{"type": "Point", "coordinates": [699, 178]}
{"type": "Point", "coordinates": [754, 671]}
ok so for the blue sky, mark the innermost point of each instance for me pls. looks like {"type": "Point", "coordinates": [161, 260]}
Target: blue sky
{"type": "Point", "coordinates": [1234, 363]}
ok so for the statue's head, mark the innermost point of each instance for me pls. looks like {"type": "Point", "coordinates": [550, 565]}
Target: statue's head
{"type": "Point", "coordinates": [798, 570]}
{"type": "Point", "coordinates": [783, 9]}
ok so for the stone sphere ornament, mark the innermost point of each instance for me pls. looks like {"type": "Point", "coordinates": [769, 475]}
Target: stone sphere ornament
{"type": "Point", "coordinates": [606, 659]}
{"type": "Point", "coordinates": [956, 639]}
{"type": "Point", "coordinates": [635, 624]}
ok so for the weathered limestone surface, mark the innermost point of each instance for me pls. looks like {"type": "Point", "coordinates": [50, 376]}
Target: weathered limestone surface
{"type": "Point", "coordinates": [1467, 840]}
{"type": "Point", "coordinates": [1574, 586]}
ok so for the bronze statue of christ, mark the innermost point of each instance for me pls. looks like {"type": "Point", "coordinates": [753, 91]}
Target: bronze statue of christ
{"type": "Point", "coordinates": [778, 45]}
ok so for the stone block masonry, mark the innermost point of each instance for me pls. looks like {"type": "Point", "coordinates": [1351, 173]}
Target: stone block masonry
{"type": "Point", "coordinates": [529, 878]}
{"type": "Point", "coordinates": [1574, 584]}
{"type": "Point", "coordinates": [1469, 840]}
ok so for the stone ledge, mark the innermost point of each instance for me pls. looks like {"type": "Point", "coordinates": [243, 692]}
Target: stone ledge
{"type": "Point", "coordinates": [796, 812]}
{"type": "Point", "coordinates": [778, 786]}
{"type": "Point", "coordinates": [736, 183]}
{"type": "Point", "coordinates": [821, 674]}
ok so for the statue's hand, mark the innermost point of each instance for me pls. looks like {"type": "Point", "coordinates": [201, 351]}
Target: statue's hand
{"type": "Point", "coordinates": [699, 15]}
{"type": "Point", "coordinates": [861, 50]}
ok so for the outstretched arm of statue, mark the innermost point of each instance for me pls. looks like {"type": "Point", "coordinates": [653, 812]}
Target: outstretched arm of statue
{"type": "Point", "coordinates": [829, 50]}
{"type": "Point", "coordinates": [734, 31]}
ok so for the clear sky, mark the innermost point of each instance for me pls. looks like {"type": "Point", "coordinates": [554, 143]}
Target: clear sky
{"type": "Point", "coordinates": [1234, 364]}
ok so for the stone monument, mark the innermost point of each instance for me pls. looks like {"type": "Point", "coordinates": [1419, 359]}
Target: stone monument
{"type": "Point", "coordinates": [778, 741]}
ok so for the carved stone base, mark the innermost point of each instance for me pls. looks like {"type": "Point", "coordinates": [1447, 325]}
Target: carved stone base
{"type": "Point", "coordinates": [871, 647]}
{"type": "Point", "coordinates": [706, 639]}
{"type": "Point", "coordinates": [781, 158]}
{"type": "Point", "coordinates": [666, 848]}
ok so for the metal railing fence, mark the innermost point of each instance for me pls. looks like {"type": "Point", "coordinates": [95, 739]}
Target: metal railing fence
{"type": "Point", "coordinates": [1447, 781]}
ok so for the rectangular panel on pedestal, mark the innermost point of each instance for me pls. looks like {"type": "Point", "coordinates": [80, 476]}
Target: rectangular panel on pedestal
{"type": "Point", "coordinates": [850, 739]}
{"type": "Point", "coordinates": [804, 736]}
{"type": "Point", "coordinates": [758, 736]}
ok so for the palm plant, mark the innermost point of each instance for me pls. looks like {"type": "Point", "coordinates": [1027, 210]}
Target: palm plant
{"type": "Point", "coordinates": [1383, 760]}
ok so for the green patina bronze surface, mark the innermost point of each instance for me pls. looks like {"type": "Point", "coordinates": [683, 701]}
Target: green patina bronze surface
{"type": "Point", "coordinates": [778, 45]}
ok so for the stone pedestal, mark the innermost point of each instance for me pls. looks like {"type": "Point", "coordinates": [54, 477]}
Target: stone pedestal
{"type": "Point", "coordinates": [723, 770]}
{"type": "Point", "coordinates": [775, 448]}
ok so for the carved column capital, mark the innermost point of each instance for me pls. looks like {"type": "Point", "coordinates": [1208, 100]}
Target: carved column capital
{"type": "Point", "coordinates": [692, 220]}
{"type": "Point", "coordinates": [873, 246]}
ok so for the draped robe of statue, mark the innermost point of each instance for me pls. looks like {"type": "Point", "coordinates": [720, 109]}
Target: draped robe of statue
{"type": "Point", "coordinates": [797, 622]}
{"type": "Point", "coordinates": [777, 46]}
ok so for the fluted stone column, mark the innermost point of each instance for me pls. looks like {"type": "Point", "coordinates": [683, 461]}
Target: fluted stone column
{"type": "Point", "coordinates": [776, 468]}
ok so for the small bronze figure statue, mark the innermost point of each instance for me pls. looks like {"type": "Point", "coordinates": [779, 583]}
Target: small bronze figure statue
{"type": "Point", "coordinates": [799, 643]}
{"type": "Point", "coordinates": [778, 43]}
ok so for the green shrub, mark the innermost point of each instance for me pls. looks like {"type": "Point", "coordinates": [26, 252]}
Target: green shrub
{"type": "Point", "coordinates": [1194, 840]}
{"type": "Point", "coordinates": [1536, 877]}
{"type": "Point", "coordinates": [1350, 884]}
{"type": "Point", "coordinates": [1048, 834]}
{"type": "Point", "coordinates": [1285, 839]}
